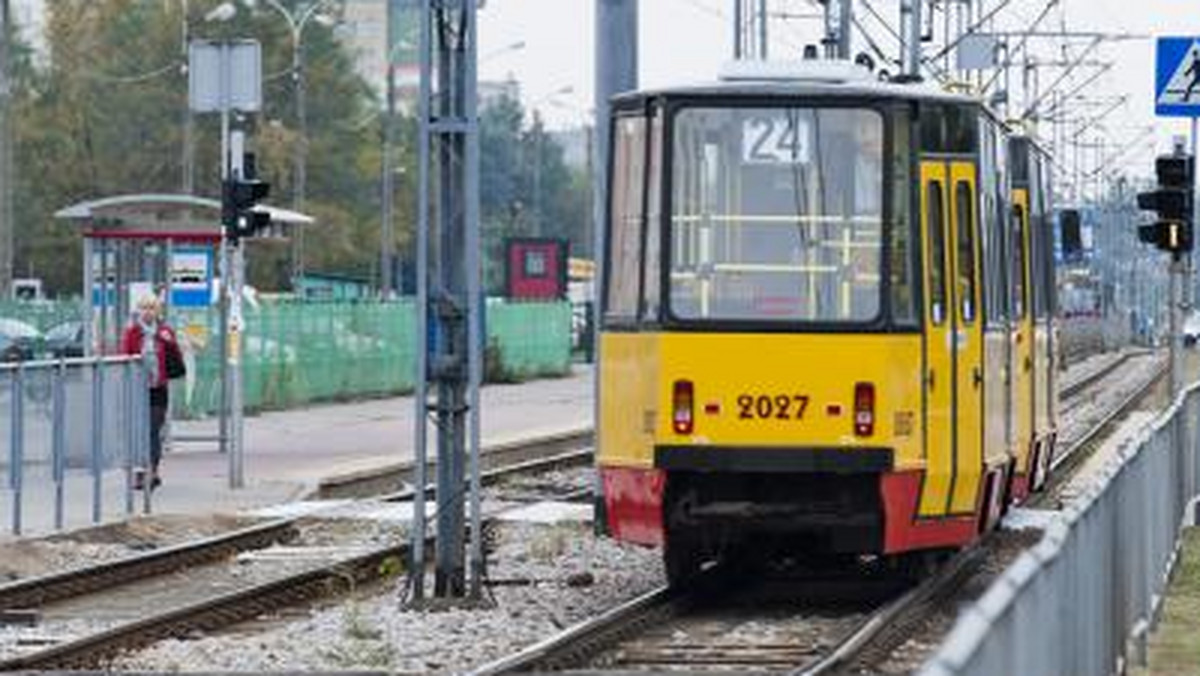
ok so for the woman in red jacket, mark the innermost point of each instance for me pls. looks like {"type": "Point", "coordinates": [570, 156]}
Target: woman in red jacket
{"type": "Point", "coordinates": [147, 321]}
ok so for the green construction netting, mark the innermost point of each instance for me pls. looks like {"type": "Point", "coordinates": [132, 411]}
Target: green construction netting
{"type": "Point", "coordinates": [299, 353]}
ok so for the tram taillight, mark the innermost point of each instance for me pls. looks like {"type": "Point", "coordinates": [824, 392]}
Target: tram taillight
{"type": "Point", "coordinates": [864, 409]}
{"type": "Point", "coordinates": [683, 400]}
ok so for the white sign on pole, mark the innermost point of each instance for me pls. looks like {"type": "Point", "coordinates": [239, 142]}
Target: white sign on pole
{"type": "Point", "coordinates": [977, 51]}
{"type": "Point", "coordinates": [225, 76]}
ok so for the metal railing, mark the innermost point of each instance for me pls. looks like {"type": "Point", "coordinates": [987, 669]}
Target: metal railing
{"type": "Point", "coordinates": [71, 426]}
{"type": "Point", "coordinates": [1084, 599]}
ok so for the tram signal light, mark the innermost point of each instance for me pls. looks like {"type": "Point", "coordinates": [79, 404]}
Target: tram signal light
{"type": "Point", "coordinates": [683, 403]}
{"type": "Point", "coordinates": [1172, 201]}
{"type": "Point", "coordinates": [239, 197]}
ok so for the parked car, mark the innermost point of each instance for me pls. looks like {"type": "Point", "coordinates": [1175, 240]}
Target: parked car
{"type": "Point", "coordinates": [19, 341]}
{"type": "Point", "coordinates": [65, 341]}
{"type": "Point", "coordinates": [11, 351]}
{"type": "Point", "coordinates": [1191, 330]}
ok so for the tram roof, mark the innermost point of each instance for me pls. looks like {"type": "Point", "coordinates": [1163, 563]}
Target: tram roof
{"type": "Point", "coordinates": [825, 79]}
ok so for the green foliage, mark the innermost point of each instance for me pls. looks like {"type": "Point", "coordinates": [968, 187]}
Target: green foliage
{"type": "Point", "coordinates": [526, 188]}
{"type": "Point", "coordinates": [102, 113]}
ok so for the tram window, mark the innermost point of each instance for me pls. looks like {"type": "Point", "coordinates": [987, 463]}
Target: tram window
{"type": "Point", "coordinates": [777, 214]}
{"type": "Point", "coordinates": [965, 215]}
{"type": "Point", "coordinates": [1036, 282]}
{"type": "Point", "coordinates": [651, 283]}
{"type": "Point", "coordinates": [937, 254]}
{"type": "Point", "coordinates": [900, 230]}
{"type": "Point", "coordinates": [998, 266]}
{"type": "Point", "coordinates": [628, 184]}
{"type": "Point", "coordinates": [1019, 249]}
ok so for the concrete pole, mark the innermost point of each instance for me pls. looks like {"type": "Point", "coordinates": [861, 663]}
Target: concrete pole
{"type": "Point", "coordinates": [910, 30]}
{"type": "Point", "coordinates": [188, 182]}
{"type": "Point", "coordinates": [7, 240]}
{"type": "Point", "coordinates": [538, 200]}
{"type": "Point", "coordinates": [300, 169]}
{"type": "Point", "coordinates": [387, 245]}
{"type": "Point", "coordinates": [739, 23]}
{"type": "Point", "coordinates": [763, 30]}
{"type": "Point", "coordinates": [616, 71]}
{"type": "Point", "coordinates": [845, 29]}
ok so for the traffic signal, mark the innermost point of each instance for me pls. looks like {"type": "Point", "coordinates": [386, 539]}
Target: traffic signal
{"type": "Point", "coordinates": [1172, 201]}
{"type": "Point", "coordinates": [239, 196]}
{"type": "Point", "coordinates": [1072, 233]}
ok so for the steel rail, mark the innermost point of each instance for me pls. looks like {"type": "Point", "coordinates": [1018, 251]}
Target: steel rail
{"type": "Point", "coordinates": [493, 476]}
{"type": "Point", "coordinates": [587, 639]}
{"type": "Point", "coordinates": [1063, 466]}
{"type": "Point", "coordinates": [1084, 383]}
{"type": "Point", "coordinates": [37, 591]}
{"type": "Point", "coordinates": [883, 636]}
{"type": "Point", "coordinates": [330, 579]}
{"type": "Point", "coordinates": [896, 617]}
{"type": "Point", "coordinates": [384, 480]}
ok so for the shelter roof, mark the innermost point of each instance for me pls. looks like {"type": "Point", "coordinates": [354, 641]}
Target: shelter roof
{"type": "Point", "coordinates": [162, 216]}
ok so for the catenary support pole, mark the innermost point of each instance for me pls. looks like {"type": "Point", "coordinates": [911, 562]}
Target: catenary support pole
{"type": "Point", "coordinates": [616, 71]}
{"type": "Point", "coordinates": [450, 354]}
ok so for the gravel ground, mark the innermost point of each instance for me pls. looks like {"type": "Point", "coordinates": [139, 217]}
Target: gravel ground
{"type": "Point", "coordinates": [317, 542]}
{"type": "Point", "coordinates": [553, 576]}
{"type": "Point", "coordinates": [25, 558]}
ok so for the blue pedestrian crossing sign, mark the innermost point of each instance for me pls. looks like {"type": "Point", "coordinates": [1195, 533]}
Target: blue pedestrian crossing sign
{"type": "Point", "coordinates": [1177, 77]}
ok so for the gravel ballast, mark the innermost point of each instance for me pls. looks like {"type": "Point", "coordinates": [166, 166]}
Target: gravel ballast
{"type": "Point", "coordinates": [545, 578]}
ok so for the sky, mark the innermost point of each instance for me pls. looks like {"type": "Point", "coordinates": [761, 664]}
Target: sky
{"type": "Point", "coordinates": [688, 40]}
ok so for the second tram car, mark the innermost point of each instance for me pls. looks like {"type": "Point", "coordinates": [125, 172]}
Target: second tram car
{"type": "Point", "coordinates": [827, 319]}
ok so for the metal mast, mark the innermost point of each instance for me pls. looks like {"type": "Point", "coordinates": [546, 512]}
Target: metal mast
{"type": "Point", "coordinates": [449, 358]}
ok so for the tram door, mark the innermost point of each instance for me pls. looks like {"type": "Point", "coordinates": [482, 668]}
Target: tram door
{"type": "Point", "coordinates": [954, 335]}
{"type": "Point", "coordinates": [1023, 335]}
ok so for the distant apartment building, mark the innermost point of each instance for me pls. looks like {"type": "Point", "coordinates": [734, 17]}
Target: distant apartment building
{"type": "Point", "coordinates": [29, 16]}
{"type": "Point", "coordinates": [364, 32]}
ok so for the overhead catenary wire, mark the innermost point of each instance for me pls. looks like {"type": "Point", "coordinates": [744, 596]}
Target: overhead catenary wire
{"type": "Point", "coordinates": [1021, 45]}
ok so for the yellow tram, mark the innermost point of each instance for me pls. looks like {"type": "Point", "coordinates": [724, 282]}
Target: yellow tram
{"type": "Point", "coordinates": [827, 318]}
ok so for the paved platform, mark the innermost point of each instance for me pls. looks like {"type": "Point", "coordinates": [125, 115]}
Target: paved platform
{"type": "Point", "coordinates": [288, 453]}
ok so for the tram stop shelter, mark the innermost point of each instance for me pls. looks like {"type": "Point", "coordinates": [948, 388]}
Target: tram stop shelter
{"type": "Point", "coordinates": [147, 243]}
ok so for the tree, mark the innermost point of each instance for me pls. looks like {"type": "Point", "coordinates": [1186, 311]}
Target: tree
{"type": "Point", "coordinates": [101, 115]}
{"type": "Point", "coordinates": [514, 160]}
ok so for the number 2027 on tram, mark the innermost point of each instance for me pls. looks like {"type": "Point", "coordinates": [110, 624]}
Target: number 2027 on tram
{"type": "Point", "coordinates": [814, 287]}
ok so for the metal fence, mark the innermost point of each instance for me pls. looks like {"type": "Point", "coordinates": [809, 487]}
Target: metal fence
{"type": "Point", "coordinates": [71, 426]}
{"type": "Point", "coordinates": [301, 353]}
{"type": "Point", "coordinates": [1083, 600]}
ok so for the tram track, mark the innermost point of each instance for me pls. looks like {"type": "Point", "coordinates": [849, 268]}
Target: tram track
{"type": "Point", "coordinates": [1076, 451]}
{"type": "Point", "coordinates": [865, 630]}
{"type": "Point", "coordinates": [186, 589]}
{"type": "Point", "coordinates": [616, 642]}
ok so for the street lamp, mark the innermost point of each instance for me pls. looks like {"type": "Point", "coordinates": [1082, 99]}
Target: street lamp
{"type": "Point", "coordinates": [296, 21]}
{"type": "Point", "coordinates": [538, 149]}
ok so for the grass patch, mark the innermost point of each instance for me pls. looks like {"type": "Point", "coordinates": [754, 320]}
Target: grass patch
{"type": "Point", "coordinates": [1175, 645]}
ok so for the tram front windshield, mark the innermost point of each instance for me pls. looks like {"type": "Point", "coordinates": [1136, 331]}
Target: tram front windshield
{"type": "Point", "coordinates": [776, 215]}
